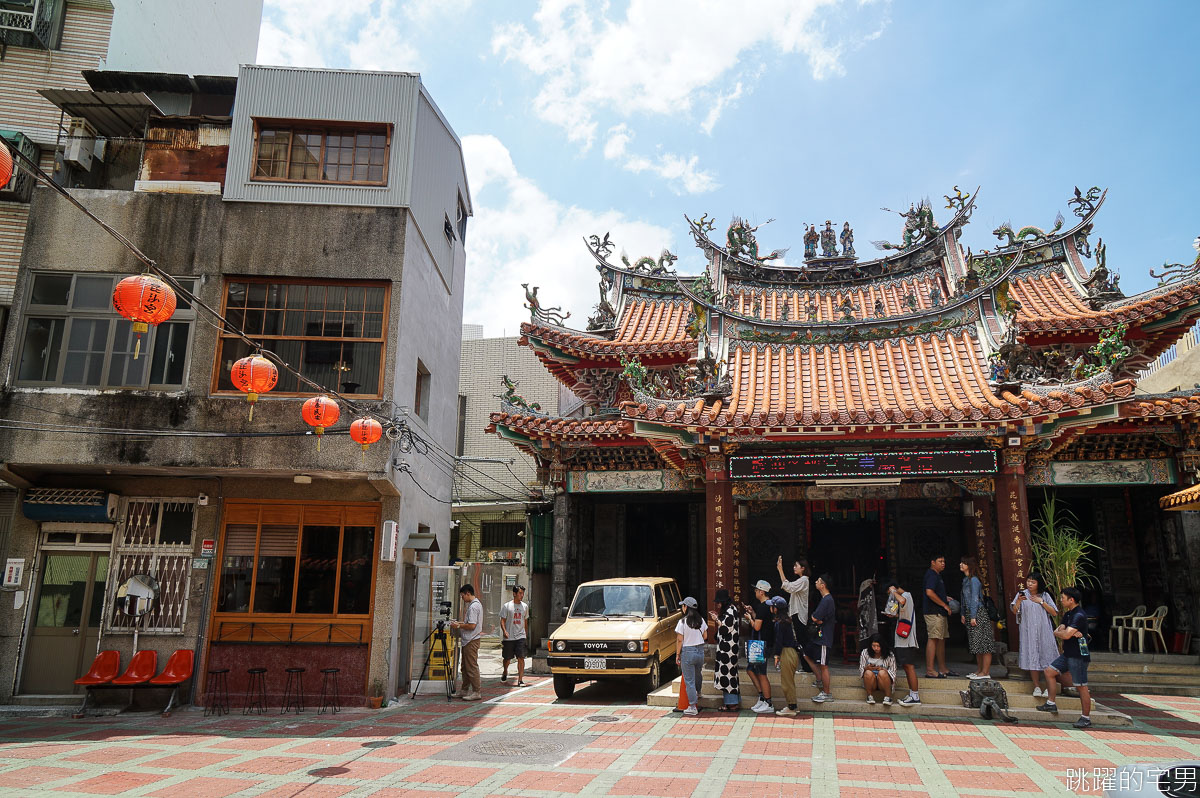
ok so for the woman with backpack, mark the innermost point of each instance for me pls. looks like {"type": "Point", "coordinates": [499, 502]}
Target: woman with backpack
{"type": "Point", "coordinates": [1035, 610]}
{"type": "Point", "coordinates": [981, 641]}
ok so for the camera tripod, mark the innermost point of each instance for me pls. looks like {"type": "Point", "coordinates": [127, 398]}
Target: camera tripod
{"type": "Point", "coordinates": [448, 675]}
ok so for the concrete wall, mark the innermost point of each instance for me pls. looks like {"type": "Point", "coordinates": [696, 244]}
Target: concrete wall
{"type": "Point", "coordinates": [193, 37]}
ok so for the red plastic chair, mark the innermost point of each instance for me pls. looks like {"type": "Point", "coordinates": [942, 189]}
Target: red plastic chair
{"type": "Point", "coordinates": [141, 669]}
{"type": "Point", "coordinates": [177, 671]}
{"type": "Point", "coordinates": [105, 668]}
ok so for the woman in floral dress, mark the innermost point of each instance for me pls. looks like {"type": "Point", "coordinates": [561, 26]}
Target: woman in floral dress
{"type": "Point", "coordinates": [728, 642]}
{"type": "Point", "coordinates": [1035, 610]}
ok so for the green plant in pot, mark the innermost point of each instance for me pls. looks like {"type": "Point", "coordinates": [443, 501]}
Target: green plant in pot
{"type": "Point", "coordinates": [1060, 550]}
{"type": "Point", "coordinates": [375, 698]}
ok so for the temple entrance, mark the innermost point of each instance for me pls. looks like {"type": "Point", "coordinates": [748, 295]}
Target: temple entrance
{"type": "Point", "coordinates": [848, 545]}
{"type": "Point", "coordinates": [657, 543]}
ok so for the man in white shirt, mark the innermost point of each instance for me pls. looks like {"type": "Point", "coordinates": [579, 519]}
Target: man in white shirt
{"type": "Point", "coordinates": [797, 590]}
{"type": "Point", "coordinates": [469, 629]}
{"type": "Point", "coordinates": [513, 640]}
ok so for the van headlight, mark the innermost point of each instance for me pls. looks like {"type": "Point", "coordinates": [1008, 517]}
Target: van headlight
{"type": "Point", "coordinates": [632, 645]}
{"type": "Point", "coordinates": [560, 646]}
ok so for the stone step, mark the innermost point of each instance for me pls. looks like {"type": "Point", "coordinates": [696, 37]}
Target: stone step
{"type": "Point", "coordinates": [1102, 675]}
{"type": "Point", "coordinates": [667, 696]}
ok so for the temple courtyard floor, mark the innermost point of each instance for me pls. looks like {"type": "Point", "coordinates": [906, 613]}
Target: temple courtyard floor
{"type": "Point", "coordinates": [525, 742]}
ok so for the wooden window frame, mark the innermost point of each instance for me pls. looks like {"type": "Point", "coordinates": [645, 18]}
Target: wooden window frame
{"type": "Point", "coordinates": [298, 627]}
{"type": "Point", "coordinates": [266, 340]}
{"type": "Point", "coordinates": [325, 128]}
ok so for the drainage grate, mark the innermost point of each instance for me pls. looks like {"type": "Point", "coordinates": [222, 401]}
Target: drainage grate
{"type": "Point", "coordinates": [378, 744]}
{"type": "Point", "coordinates": [517, 749]}
{"type": "Point", "coordinates": [603, 718]}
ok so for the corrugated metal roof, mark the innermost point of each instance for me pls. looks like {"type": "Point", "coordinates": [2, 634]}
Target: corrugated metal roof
{"type": "Point", "coordinates": [112, 114]}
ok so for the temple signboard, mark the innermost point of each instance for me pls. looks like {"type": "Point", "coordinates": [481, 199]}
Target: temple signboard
{"type": "Point", "coordinates": [1155, 471]}
{"type": "Point", "coordinates": [658, 481]}
{"type": "Point", "coordinates": [864, 464]}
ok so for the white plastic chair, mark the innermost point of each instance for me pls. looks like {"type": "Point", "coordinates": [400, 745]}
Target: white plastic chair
{"type": "Point", "coordinates": [1120, 623]}
{"type": "Point", "coordinates": [1149, 623]}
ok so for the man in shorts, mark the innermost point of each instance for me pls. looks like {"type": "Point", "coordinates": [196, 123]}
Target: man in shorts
{"type": "Point", "coordinates": [1071, 667]}
{"type": "Point", "coordinates": [936, 607]}
{"type": "Point", "coordinates": [905, 648]}
{"type": "Point", "coordinates": [817, 650]}
{"type": "Point", "coordinates": [514, 642]}
{"type": "Point", "coordinates": [762, 623]}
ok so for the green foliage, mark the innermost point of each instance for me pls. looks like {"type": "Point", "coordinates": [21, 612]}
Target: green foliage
{"type": "Point", "coordinates": [634, 373]}
{"type": "Point", "coordinates": [1060, 552]}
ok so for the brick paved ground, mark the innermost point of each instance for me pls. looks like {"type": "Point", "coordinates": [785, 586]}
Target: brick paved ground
{"type": "Point", "coordinates": [648, 751]}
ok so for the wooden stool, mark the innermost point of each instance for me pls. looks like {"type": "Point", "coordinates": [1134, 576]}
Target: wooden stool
{"type": "Point", "coordinates": [293, 691]}
{"type": "Point", "coordinates": [256, 693]}
{"type": "Point", "coordinates": [330, 698]}
{"type": "Point", "coordinates": [216, 692]}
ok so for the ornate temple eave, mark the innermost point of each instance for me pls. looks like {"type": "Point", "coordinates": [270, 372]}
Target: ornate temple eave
{"type": "Point", "coordinates": [530, 426]}
{"type": "Point", "coordinates": [1161, 309]}
{"type": "Point", "coordinates": [1085, 223]}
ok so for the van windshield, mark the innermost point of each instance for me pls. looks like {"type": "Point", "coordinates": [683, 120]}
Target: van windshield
{"type": "Point", "coordinates": [608, 600]}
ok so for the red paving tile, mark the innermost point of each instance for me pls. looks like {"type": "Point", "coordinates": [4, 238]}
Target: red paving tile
{"type": "Point", "coordinates": [873, 792]}
{"type": "Point", "coordinates": [206, 787]}
{"type": "Point", "coordinates": [665, 763]}
{"type": "Point", "coordinates": [614, 741]}
{"type": "Point", "coordinates": [327, 746]}
{"type": "Point", "coordinates": [188, 760]}
{"type": "Point", "coordinates": [588, 760]}
{"type": "Point", "coordinates": [689, 744]}
{"type": "Point", "coordinates": [877, 773]}
{"type": "Point", "coordinates": [778, 748]}
{"type": "Point", "coordinates": [35, 775]}
{"type": "Point", "coordinates": [254, 743]}
{"type": "Point", "coordinates": [181, 739]}
{"type": "Point", "coordinates": [888, 737]}
{"type": "Point", "coordinates": [553, 781]}
{"type": "Point", "coordinates": [987, 759]}
{"type": "Point", "coordinates": [405, 750]}
{"type": "Point", "coordinates": [872, 753]}
{"type": "Point", "coordinates": [956, 741]}
{"type": "Point", "coordinates": [1013, 783]}
{"type": "Point", "coordinates": [112, 754]}
{"type": "Point", "coordinates": [449, 775]}
{"type": "Point", "coordinates": [649, 785]}
{"type": "Point", "coordinates": [34, 751]}
{"type": "Point", "coordinates": [367, 769]}
{"type": "Point", "coordinates": [112, 783]}
{"type": "Point", "coordinates": [765, 789]}
{"type": "Point", "coordinates": [273, 765]}
{"type": "Point", "coordinates": [752, 766]}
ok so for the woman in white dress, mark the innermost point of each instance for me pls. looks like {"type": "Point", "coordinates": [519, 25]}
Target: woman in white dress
{"type": "Point", "coordinates": [1035, 611]}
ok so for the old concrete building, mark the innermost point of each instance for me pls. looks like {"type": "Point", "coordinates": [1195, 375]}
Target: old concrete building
{"type": "Point", "coordinates": [334, 238]}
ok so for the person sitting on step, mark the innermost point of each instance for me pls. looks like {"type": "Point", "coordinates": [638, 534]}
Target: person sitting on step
{"type": "Point", "coordinates": [877, 667]}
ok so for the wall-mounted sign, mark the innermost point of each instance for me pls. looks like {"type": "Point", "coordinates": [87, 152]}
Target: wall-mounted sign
{"type": "Point", "coordinates": [659, 481]}
{"type": "Point", "coordinates": [1159, 471]}
{"type": "Point", "coordinates": [864, 464]}
{"type": "Point", "coordinates": [14, 572]}
{"type": "Point", "coordinates": [208, 547]}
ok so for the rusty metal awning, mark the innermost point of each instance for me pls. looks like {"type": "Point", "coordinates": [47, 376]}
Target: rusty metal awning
{"type": "Point", "coordinates": [1186, 499]}
{"type": "Point", "coordinates": [113, 114]}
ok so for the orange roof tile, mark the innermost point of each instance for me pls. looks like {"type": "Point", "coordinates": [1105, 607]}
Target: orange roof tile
{"type": "Point", "coordinates": [891, 292]}
{"type": "Point", "coordinates": [931, 378]}
{"type": "Point", "coordinates": [1050, 302]}
{"type": "Point", "coordinates": [1162, 405]}
{"type": "Point", "coordinates": [647, 327]}
{"type": "Point", "coordinates": [557, 427]}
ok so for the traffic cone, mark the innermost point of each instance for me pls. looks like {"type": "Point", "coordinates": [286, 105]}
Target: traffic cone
{"type": "Point", "coordinates": [682, 703]}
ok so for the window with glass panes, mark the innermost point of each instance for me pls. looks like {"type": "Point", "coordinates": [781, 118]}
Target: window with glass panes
{"type": "Point", "coordinates": [289, 559]}
{"type": "Point", "coordinates": [312, 152]}
{"type": "Point", "coordinates": [331, 332]}
{"type": "Point", "coordinates": [71, 336]}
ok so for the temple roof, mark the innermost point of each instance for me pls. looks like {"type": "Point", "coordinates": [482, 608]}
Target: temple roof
{"type": "Point", "coordinates": [894, 294]}
{"type": "Point", "coordinates": [930, 378]}
{"type": "Point", "coordinates": [647, 327]}
{"type": "Point", "coordinates": [1050, 302]}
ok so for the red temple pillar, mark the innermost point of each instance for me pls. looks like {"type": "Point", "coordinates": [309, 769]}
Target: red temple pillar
{"type": "Point", "coordinates": [1012, 522]}
{"type": "Point", "coordinates": [724, 535]}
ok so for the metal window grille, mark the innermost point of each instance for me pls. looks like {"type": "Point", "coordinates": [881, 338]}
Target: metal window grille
{"type": "Point", "coordinates": [154, 537]}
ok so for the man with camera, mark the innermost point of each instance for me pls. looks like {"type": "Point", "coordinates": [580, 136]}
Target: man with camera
{"type": "Point", "coordinates": [469, 629]}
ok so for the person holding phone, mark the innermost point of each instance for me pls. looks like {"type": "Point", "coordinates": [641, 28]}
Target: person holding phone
{"type": "Point", "coordinates": [1035, 611]}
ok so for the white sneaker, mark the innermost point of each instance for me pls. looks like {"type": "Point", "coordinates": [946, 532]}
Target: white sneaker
{"type": "Point", "coordinates": [887, 700]}
{"type": "Point", "coordinates": [765, 707]}
{"type": "Point", "coordinates": [1039, 692]}
{"type": "Point", "coordinates": [870, 699]}
{"type": "Point", "coordinates": [758, 706]}
{"type": "Point", "coordinates": [786, 712]}
{"type": "Point", "coordinates": [692, 710]}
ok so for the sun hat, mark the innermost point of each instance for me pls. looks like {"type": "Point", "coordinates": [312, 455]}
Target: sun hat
{"type": "Point", "coordinates": [763, 585]}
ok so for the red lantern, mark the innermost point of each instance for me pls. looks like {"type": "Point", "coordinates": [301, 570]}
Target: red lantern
{"type": "Point", "coordinates": [366, 431]}
{"type": "Point", "coordinates": [6, 165]}
{"type": "Point", "coordinates": [320, 412]}
{"type": "Point", "coordinates": [144, 300]}
{"type": "Point", "coordinates": [254, 375]}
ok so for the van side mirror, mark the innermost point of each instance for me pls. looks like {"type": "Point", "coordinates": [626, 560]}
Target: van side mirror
{"type": "Point", "coordinates": [564, 613]}
{"type": "Point", "coordinates": [663, 612]}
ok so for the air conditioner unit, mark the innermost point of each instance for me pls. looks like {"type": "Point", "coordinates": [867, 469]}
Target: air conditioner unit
{"type": "Point", "coordinates": [81, 145]}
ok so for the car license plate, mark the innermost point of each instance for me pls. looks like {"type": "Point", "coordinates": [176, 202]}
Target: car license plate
{"type": "Point", "coordinates": [595, 663]}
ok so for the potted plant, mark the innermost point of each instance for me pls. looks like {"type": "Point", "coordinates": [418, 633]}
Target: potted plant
{"type": "Point", "coordinates": [375, 698]}
{"type": "Point", "coordinates": [1059, 549]}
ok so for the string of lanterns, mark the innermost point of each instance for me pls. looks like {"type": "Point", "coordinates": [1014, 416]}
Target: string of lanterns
{"type": "Point", "coordinates": [146, 300]}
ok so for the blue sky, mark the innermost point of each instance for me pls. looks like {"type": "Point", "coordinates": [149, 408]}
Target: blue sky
{"type": "Point", "coordinates": [585, 117]}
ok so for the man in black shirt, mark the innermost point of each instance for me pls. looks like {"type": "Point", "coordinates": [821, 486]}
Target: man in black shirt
{"type": "Point", "coordinates": [761, 621]}
{"type": "Point", "coordinates": [1071, 668]}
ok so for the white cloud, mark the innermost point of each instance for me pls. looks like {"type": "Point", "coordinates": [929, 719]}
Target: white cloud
{"type": "Point", "coordinates": [519, 234]}
{"type": "Point", "coordinates": [681, 173]}
{"type": "Point", "coordinates": [345, 34]}
{"type": "Point", "coordinates": [663, 57]}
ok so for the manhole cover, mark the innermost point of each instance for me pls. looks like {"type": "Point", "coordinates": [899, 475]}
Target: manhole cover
{"type": "Point", "coordinates": [378, 744]}
{"type": "Point", "coordinates": [323, 772]}
{"type": "Point", "coordinates": [517, 748]}
{"type": "Point", "coordinates": [603, 718]}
